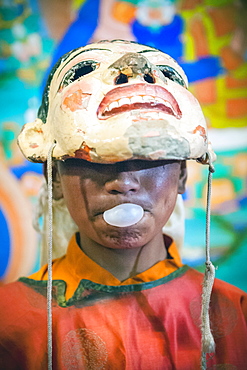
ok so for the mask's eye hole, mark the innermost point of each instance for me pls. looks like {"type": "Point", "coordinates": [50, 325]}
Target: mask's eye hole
{"type": "Point", "coordinates": [172, 74]}
{"type": "Point", "coordinates": [79, 70]}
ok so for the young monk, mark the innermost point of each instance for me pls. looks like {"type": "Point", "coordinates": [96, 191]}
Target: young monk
{"type": "Point", "coordinates": [115, 126]}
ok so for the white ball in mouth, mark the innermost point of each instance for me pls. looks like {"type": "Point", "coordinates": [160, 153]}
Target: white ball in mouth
{"type": "Point", "coordinates": [123, 215]}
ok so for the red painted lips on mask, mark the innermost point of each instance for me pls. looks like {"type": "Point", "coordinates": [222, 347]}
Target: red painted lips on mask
{"type": "Point", "coordinates": [138, 96]}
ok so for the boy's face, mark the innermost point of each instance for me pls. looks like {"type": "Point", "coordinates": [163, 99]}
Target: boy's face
{"type": "Point", "coordinates": [91, 189]}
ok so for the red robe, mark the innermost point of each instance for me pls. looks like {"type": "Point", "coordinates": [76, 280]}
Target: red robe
{"type": "Point", "coordinates": [154, 325]}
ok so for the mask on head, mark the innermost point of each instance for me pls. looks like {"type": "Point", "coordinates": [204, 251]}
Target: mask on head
{"type": "Point", "coordinates": [114, 101]}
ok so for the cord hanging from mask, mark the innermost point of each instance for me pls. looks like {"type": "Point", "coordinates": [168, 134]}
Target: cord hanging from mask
{"type": "Point", "coordinates": [208, 344]}
{"type": "Point", "coordinates": [49, 257]}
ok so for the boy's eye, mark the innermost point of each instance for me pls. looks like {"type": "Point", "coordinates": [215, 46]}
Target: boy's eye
{"type": "Point", "coordinates": [79, 70]}
{"type": "Point", "coordinates": [172, 74]}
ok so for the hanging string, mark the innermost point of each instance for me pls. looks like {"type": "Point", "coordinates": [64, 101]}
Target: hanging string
{"type": "Point", "coordinates": [208, 344]}
{"type": "Point", "coordinates": [49, 258]}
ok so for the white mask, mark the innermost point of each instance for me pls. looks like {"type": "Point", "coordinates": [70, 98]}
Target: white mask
{"type": "Point", "coordinates": [115, 101]}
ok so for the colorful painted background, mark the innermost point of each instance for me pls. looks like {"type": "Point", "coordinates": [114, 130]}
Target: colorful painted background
{"type": "Point", "coordinates": [207, 37]}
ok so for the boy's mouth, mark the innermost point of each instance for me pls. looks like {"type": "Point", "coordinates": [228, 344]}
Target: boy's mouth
{"type": "Point", "coordinates": [100, 211]}
{"type": "Point", "coordinates": [124, 215]}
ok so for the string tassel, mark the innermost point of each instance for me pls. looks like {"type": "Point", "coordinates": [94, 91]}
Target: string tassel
{"type": "Point", "coordinates": [49, 249]}
{"type": "Point", "coordinates": [208, 344]}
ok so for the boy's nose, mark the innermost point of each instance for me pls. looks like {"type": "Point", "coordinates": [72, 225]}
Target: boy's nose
{"type": "Point", "coordinates": [124, 183]}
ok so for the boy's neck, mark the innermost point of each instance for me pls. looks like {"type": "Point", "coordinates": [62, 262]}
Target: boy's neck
{"type": "Point", "coordinates": [125, 263]}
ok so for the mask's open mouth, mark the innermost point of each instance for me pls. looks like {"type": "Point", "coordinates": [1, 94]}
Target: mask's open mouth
{"type": "Point", "coordinates": [138, 96]}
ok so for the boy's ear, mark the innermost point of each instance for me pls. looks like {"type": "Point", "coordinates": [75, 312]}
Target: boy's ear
{"type": "Point", "coordinates": [182, 178]}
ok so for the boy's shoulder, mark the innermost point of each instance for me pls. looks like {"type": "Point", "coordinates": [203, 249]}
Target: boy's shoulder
{"type": "Point", "coordinates": [18, 300]}
{"type": "Point", "coordinates": [219, 286]}
{"type": "Point", "coordinates": [228, 303]}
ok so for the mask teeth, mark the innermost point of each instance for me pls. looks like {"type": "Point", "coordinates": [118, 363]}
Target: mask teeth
{"type": "Point", "coordinates": [49, 249]}
{"type": "Point", "coordinates": [208, 344]}
{"type": "Point", "coordinates": [148, 102]}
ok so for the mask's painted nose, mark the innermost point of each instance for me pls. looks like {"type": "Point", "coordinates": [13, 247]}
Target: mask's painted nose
{"type": "Point", "coordinates": [131, 65]}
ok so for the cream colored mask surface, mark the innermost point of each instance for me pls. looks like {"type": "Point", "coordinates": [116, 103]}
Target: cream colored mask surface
{"type": "Point", "coordinates": [116, 100]}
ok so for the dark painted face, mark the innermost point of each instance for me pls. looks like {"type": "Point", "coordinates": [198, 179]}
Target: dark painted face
{"type": "Point", "coordinates": [90, 189]}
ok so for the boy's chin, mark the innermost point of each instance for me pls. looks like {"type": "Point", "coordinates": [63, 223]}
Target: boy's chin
{"type": "Point", "coordinates": [125, 237]}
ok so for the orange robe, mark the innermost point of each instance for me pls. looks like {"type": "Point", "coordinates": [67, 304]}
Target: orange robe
{"type": "Point", "coordinates": [76, 265]}
{"type": "Point", "coordinates": [149, 322]}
